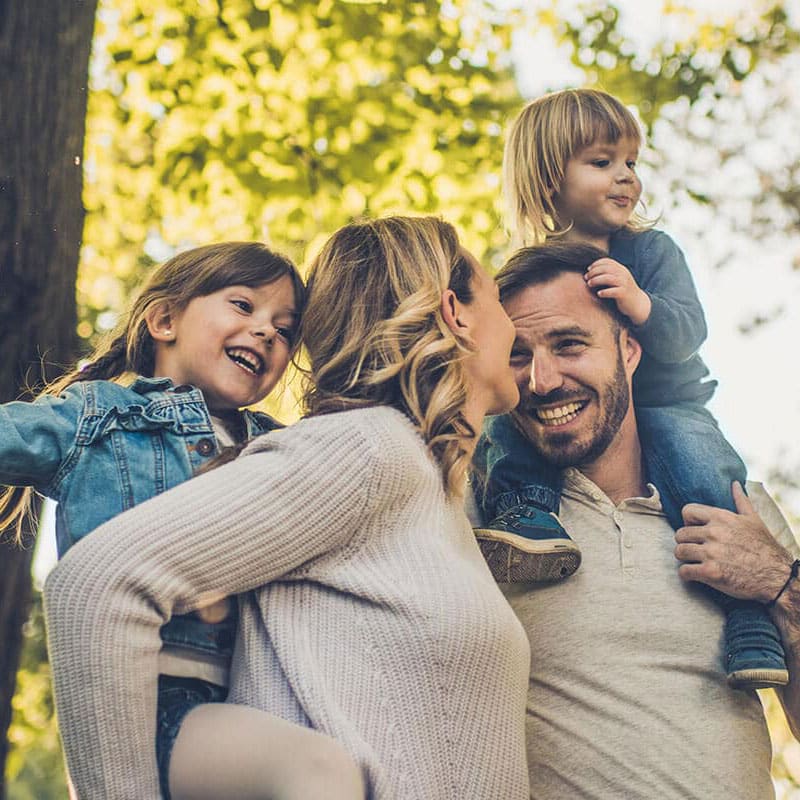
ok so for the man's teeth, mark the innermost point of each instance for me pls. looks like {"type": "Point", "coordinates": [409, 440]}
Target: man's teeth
{"type": "Point", "coordinates": [560, 415]}
{"type": "Point", "coordinates": [247, 359]}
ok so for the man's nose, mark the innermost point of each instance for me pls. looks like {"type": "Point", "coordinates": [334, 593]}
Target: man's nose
{"type": "Point", "coordinates": [545, 376]}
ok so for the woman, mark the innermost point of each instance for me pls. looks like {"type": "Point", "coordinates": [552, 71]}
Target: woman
{"type": "Point", "coordinates": [369, 614]}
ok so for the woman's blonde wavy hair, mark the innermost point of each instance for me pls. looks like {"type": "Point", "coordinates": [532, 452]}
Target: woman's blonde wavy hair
{"type": "Point", "coordinates": [129, 349]}
{"type": "Point", "coordinates": [375, 335]}
{"type": "Point", "coordinates": [542, 139]}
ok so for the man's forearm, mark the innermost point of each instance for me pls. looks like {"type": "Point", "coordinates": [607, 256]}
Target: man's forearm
{"type": "Point", "coordinates": [786, 616]}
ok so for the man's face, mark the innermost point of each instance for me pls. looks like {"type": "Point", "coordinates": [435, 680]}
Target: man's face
{"type": "Point", "coordinates": [573, 367]}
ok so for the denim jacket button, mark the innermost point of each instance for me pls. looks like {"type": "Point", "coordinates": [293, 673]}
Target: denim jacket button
{"type": "Point", "coordinates": [205, 447]}
{"type": "Point", "coordinates": [183, 388]}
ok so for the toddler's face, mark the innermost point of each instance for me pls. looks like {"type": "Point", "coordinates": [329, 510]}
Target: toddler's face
{"type": "Point", "coordinates": [600, 190]}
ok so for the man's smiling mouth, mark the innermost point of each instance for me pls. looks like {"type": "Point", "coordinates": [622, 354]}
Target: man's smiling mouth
{"type": "Point", "coordinates": [560, 415]}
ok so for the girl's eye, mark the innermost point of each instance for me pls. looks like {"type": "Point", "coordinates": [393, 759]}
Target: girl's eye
{"type": "Point", "coordinates": [631, 164]}
{"type": "Point", "coordinates": [601, 162]}
{"type": "Point", "coordinates": [286, 333]}
{"type": "Point", "coordinates": [244, 305]}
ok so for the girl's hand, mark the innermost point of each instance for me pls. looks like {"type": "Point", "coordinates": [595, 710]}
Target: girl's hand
{"type": "Point", "coordinates": [610, 279]}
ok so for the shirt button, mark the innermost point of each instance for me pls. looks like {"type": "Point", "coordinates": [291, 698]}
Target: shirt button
{"type": "Point", "coordinates": [205, 447]}
{"type": "Point", "coordinates": [183, 388]}
{"type": "Point", "coordinates": [628, 543]}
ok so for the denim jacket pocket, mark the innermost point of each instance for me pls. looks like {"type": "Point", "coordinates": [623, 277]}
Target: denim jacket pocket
{"type": "Point", "coordinates": [182, 420]}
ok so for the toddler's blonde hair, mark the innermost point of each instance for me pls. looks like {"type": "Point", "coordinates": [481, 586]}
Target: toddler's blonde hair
{"type": "Point", "coordinates": [542, 139]}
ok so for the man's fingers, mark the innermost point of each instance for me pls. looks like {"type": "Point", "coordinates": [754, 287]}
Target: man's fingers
{"type": "Point", "coordinates": [694, 534]}
{"type": "Point", "coordinates": [690, 572]}
{"type": "Point", "coordinates": [697, 514]}
{"type": "Point", "coordinates": [741, 500]}
{"type": "Point", "coordinates": [689, 553]}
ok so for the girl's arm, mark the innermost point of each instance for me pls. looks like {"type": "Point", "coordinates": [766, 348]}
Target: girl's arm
{"type": "Point", "coordinates": [36, 437]}
{"type": "Point", "coordinates": [294, 495]}
{"type": "Point", "coordinates": [676, 326]}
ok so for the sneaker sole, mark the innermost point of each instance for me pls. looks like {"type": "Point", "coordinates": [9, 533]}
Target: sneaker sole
{"type": "Point", "coordinates": [758, 678]}
{"type": "Point", "coordinates": [525, 545]}
{"type": "Point", "coordinates": [552, 561]}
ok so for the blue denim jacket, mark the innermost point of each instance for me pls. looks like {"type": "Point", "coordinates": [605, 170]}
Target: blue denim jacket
{"type": "Point", "coordinates": [100, 448]}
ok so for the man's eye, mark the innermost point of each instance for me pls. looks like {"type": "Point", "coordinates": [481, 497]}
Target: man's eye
{"type": "Point", "coordinates": [519, 359]}
{"type": "Point", "coordinates": [570, 345]}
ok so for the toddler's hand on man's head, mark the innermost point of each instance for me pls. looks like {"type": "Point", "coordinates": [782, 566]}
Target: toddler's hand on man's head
{"type": "Point", "coordinates": [613, 281]}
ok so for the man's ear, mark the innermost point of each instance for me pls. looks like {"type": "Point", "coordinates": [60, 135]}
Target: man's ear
{"type": "Point", "coordinates": [452, 311]}
{"type": "Point", "coordinates": [632, 351]}
{"type": "Point", "coordinates": [160, 322]}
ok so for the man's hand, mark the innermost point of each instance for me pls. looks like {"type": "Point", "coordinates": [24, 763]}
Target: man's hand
{"type": "Point", "coordinates": [733, 552]}
{"type": "Point", "coordinates": [612, 280]}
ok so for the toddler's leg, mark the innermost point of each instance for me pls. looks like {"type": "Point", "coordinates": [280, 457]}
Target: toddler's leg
{"type": "Point", "coordinates": [230, 751]}
{"type": "Point", "coordinates": [690, 461]}
{"type": "Point", "coordinates": [519, 495]}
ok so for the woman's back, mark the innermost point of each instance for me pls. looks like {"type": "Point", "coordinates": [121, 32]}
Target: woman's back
{"type": "Point", "coordinates": [405, 613]}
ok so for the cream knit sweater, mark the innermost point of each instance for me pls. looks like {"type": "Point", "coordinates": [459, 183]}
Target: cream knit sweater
{"type": "Point", "coordinates": [369, 615]}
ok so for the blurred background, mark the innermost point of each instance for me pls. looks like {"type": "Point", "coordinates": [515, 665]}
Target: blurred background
{"type": "Point", "coordinates": [180, 122]}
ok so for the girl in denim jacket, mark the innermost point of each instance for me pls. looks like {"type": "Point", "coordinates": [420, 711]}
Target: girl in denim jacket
{"type": "Point", "coordinates": [211, 332]}
{"type": "Point", "coordinates": [570, 174]}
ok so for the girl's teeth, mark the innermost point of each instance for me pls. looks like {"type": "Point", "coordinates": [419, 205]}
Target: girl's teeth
{"type": "Point", "coordinates": [246, 360]}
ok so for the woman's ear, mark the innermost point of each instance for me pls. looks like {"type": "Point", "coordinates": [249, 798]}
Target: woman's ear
{"type": "Point", "coordinates": [452, 312]}
{"type": "Point", "coordinates": [160, 319]}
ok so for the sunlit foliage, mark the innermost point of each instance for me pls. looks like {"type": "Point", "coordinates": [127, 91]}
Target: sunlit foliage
{"type": "Point", "coordinates": [283, 119]}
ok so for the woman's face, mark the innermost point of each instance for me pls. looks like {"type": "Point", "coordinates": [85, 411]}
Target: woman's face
{"type": "Point", "coordinates": [491, 381]}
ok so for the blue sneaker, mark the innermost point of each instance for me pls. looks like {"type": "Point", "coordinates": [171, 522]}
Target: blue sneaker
{"type": "Point", "coordinates": [753, 649]}
{"type": "Point", "coordinates": [525, 543]}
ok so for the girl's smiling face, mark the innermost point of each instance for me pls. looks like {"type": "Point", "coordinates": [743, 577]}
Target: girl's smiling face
{"type": "Point", "coordinates": [233, 344]}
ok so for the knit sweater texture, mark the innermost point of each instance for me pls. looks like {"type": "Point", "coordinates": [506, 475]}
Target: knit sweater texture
{"type": "Point", "coordinates": [367, 614]}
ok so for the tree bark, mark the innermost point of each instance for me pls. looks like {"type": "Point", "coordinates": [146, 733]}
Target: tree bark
{"type": "Point", "coordinates": [44, 57]}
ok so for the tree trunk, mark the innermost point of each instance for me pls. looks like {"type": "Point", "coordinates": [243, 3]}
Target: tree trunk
{"type": "Point", "coordinates": [44, 57]}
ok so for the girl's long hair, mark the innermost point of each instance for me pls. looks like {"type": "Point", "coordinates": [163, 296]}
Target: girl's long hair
{"type": "Point", "coordinates": [542, 139]}
{"type": "Point", "coordinates": [130, 349]}
{"type": "Point", "coordinates": [375, 335]}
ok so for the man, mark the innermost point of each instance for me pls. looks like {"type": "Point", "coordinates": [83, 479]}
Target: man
{"type": "Point", "coordinates": [627, 696]}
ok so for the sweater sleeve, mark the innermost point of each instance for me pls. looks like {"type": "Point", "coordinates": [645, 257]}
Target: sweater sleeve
{"type": "Point", "coordinates": [676, 327]}
{"type": "Point", "coordinates": [294, 495]}
{"type": "Point", "coordinates": [36, 437]}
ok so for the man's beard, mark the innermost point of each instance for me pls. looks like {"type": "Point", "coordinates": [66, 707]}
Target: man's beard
{"type": "Point", "coordinates": [562, 449]}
